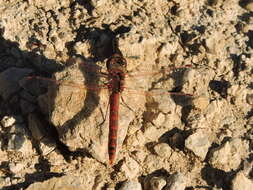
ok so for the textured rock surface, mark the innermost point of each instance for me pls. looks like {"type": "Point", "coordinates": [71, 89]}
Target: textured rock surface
{"type": "Point", "coordinates": [241, 182]}
{"type": "Point", "coordinates": [65, 183]}
{"type": "Point", "coordinates": [229, 155]}
{"type": "Point", "coordinates": [199, 143]}
{"type": "Point", "coordinates": [202, 48]}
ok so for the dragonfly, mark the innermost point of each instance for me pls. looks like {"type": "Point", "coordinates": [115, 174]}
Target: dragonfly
{"type": "Point", "coordinates": [116, 76]}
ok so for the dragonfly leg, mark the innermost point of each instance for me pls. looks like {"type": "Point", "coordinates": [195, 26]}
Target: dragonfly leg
{"type": "Point", "coordinates": [125, 104]}
{"type": "Point", "coordinates": [104, 116]}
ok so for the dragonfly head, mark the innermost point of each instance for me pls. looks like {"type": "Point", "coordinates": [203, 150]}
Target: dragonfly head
{"type": "Point", "coordinates": [116, 63]}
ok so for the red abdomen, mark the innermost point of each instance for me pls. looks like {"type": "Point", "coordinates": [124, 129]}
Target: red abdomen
{"type": "Point", "coordinates": [113, 126]}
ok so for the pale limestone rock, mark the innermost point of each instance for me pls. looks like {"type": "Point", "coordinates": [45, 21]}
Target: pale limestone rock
{"type": "Point", "coordinates": [199, 143]}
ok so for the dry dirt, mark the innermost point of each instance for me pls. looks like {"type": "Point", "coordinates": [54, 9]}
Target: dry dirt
{"type": "Point", "coordinates": [186, 116]}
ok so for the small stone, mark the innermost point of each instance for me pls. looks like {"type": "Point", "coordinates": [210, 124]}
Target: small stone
{"type": "Point", "coordinates": [229, 155]}
{"type": "Point", "coordinates": [163, 150]}
{"type": "Point", "coordinates": [157, 183]}
{"type": "Point", "coordinates": [176, 181]}
{"type": "Point", "coordinates": [198, 143]}
{"type": "Point", "coordinates": [9, 80]}
{"type": "Point", "coordinates": [8, 121]}
{"type": "Point", "coordinates": [131, 185]}
{"type": "Point", "coordinates": [241, 182]}
{"type": "Point", "coordinates": [130, 167]}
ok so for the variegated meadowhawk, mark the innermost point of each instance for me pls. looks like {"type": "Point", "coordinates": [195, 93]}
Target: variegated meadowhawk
{"type": "Point", "coordinates": [85, 83]}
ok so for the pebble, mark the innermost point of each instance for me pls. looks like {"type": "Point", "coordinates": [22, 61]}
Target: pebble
{"type": "Point", "coordinates": [9, 80]}
{"type": "Point", "coordinates": [163, 150]}
{"type": "Point", "coordinates": [157, 183]}
{"type": "Point", "coordinates": [229, 155]}
{"type": "Point", "coordinates": [241, 182]}
{"type": "Point", "coordinates": [8, 121]}
{"type": "Point", "coordinates": [198, 143]}
{"type": "Point", "coordinates": [176, 181]}
{"type": "Point", "coordinates": [131, 185]}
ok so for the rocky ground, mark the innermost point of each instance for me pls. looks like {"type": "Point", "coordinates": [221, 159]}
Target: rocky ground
{"type": "Point", "coordinates": [186, 115]}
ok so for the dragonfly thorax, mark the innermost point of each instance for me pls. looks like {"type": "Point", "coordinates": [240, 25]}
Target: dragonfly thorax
{"type": "Point", "coordinates": [116, 66]}
{"type": "Point", "coordinates": [116, 81]}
